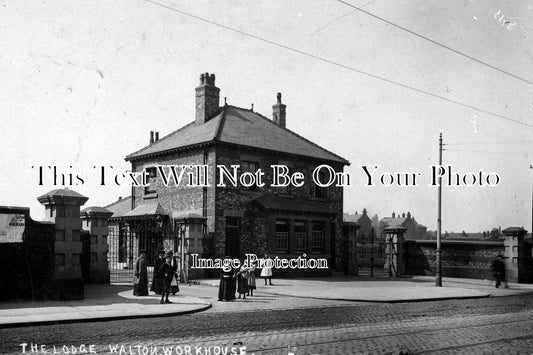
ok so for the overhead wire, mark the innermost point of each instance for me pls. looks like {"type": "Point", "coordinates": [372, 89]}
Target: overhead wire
{"type": "Point", "coordinates": [347, 67]}
{"type": "Point", "coordinates": [489, 143]}
{"type": "Point", "coordinates": [486, 151]}
{"type": "Point", "coordinates": [359, 8]}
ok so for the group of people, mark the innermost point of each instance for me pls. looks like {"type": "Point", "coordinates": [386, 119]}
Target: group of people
{"type": "Point", "coordinates": [241, 281]}
{"type": "Point", "coordinates": [165, 277]}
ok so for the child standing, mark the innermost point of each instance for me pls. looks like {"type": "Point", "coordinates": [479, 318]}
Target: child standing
{"type": "Point", "coordinates": [266, 272]}
{"type": "Point", "coordinates": [242, 281]}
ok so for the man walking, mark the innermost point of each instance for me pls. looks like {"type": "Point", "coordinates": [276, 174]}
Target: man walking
{"type": "Point", "coordinates": [498, 269]}
{"type": "Point", "coordinates": [140, 284]}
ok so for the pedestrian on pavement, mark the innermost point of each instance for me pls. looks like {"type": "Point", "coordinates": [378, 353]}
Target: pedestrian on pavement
{"type": "Point", "coordinates": [157, 284]}
{"type": "Point", "coordinates": [266, 272]}
{"type": "Point", "coordinates": [174, 287]}
{"type": "Point", "coordinates": [226, 290]}
{"type": "Point", "coordinates": [166, 273]}
{"type": "Point", "coordinates": [140, 283]}
{"type": "Point", "coordinates": [242, 281]}
{"type": "Point", "coordinates": [251, 278]}
{"type": "Point", "coordinates": [498, 270]}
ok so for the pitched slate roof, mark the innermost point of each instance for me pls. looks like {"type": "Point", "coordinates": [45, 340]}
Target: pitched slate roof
{"type": "Point", "coordinates": [146, 210]}
{"type": "Point", "coordinates": [120, 207]}
{"type": "Point", "coordinates": [239, 126]}
{"type": "Point", "coordinates": [352, 217]}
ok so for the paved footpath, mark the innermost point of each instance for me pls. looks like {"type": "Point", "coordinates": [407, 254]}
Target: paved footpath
{"type": "Point", "coordinates": [106, 302]}
{"type": "Point", "coordinates": [413, 289]}
{"type": "Point", "coordinates": [102, 302]}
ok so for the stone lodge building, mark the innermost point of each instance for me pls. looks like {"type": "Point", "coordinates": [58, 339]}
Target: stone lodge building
{"type": "Point", "coordinates": [215, 221]}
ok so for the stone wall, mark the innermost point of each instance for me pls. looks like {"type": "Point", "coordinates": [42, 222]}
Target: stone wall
{"type": "Point", "coordinates": [468, 259]}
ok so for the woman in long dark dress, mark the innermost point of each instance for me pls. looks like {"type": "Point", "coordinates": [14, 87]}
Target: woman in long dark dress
{"type": "Point", "coordinates": [226, 288]}
{"type": "Point", "coordinates": [140, 286]}
{"type": "Point", "coordinates": [157, 281]}
{"type": "Point", "coordinates": [174, 286]}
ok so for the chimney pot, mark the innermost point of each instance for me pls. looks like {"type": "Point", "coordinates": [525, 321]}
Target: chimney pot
{"type": "Point", "coordinates": [393, 215]}
{"type": "Point", "coordinates": [279, 115]}
{"type": "Point", "coordinates": [151, 137]}
{"type": "Point", "coordinates": [156, 136]}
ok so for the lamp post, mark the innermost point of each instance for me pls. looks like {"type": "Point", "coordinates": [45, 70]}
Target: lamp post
{"type": "Point", "coordinates": [182, 227]}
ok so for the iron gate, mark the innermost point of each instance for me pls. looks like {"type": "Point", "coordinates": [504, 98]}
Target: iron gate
{"type": "Point", "coordinates": [372, 258]}
{"type": "Point", "coordinates": [128, 237]}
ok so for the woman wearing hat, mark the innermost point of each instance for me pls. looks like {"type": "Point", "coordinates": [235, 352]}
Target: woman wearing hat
{"type": "Point", "coordinates": [226, 288]}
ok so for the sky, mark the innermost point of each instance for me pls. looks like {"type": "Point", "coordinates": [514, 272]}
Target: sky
{"type": "Point", "coordinates": [84, 82]}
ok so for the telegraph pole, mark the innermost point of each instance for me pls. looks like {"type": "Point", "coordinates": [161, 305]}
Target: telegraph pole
{"type": "Point", "coordinates": [438, 276]}
{"type": "Point", "coordinates": [531, 167]}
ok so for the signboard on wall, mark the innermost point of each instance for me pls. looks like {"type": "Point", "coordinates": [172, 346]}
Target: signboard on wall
{"type": "Point", "coordinates": [11, 227]}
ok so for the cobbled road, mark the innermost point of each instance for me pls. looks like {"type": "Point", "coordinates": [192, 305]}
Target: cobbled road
{"type": "Point", "coordinates": [496, 325]}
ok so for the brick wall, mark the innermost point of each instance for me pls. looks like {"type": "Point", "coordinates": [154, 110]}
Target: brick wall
{"type": "Point", "coordinates": [258, 227]}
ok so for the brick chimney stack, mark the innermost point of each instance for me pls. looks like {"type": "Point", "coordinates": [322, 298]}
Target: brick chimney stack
{"type": "Point", "coordinates": [279, 116]}
{"type": "Point", "coordinates": [207, 98]}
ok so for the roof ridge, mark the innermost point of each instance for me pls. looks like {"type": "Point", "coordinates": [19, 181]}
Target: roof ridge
{"type": "Point", "coordinates": [221, 123]}
{"type": "Point", "coordinates": [293, 133]}
{"type": "Point", "coordinates": [160, 140]}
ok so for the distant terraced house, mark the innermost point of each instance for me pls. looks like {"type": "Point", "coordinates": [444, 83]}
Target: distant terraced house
{"type": "Point", "coordinates": [215, 221]}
